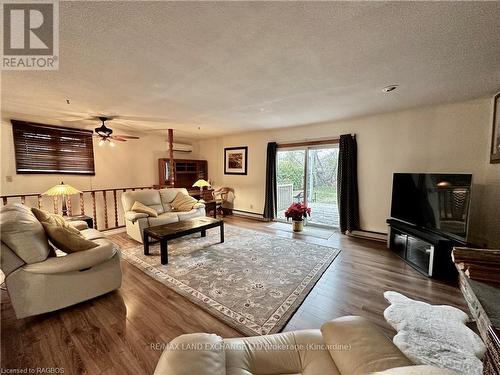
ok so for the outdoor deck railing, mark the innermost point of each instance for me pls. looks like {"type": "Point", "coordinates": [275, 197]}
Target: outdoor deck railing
{"type": "Point", "coordinates": [284, 196]}
{"type": "Point", "coordinates": [105, 204]}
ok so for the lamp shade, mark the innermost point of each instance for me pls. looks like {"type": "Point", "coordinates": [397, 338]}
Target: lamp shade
{"type": "Point", "coordinates": [201, 183]}
{"type": "Point", "coordinates": [62, 189]}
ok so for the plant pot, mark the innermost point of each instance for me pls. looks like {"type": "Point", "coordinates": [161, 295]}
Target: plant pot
{"type": "Point", "coordinates": [298, 225]}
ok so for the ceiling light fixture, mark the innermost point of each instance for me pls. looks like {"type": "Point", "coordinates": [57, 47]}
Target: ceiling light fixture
{"type": "Point", "coordinates": [390, 88]}
{"type": "Point", "coordinates": [103, 130]}
{"type": "Point", "coordinates": [105, 134]}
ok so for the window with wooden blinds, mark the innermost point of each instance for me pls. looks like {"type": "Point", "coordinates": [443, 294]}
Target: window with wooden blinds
{"type": "Point", "coordinates": [52, 149]}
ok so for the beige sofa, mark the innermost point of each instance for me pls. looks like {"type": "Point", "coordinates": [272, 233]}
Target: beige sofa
{"type": "Point", "coordinates": [159, 200]}
{"type": "Point", "coordinates": [345, 346]}
{"type": "Point", "coordinates": [37, 280]}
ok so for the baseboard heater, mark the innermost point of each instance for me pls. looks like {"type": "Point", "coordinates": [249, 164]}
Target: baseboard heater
{"type": "Point", "coordinates": [369, 235]}
{"type": "Point", "coordinates": [249, 215]}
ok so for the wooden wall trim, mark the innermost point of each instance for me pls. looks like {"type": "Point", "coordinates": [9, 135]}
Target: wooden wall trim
{"type": "Point", "coordinates": [332, 141]}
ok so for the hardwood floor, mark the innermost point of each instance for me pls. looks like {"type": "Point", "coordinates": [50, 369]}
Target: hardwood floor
{"type": "Point", "coordinates": [122, 332]}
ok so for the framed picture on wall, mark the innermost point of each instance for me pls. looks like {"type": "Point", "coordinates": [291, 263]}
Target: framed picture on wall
{"type": "Point", "coordinates": [495, 137]}
{"type": "Point", "coordinates": [235, 160]}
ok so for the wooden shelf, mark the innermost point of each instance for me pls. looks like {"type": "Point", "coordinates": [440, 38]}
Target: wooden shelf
{"type": "Point", "coordinates": [186, 172]}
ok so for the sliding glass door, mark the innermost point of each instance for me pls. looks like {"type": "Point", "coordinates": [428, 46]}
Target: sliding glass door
{"type": "Point", "coordinates": [309, 175]}
{"type": "Point", "coordinates": [290, 175]}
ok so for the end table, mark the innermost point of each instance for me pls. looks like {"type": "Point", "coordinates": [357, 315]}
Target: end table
{"type": "Point", "coordinates": [211, 206]}
{"type": "Point", "coordinates": [87, 219]}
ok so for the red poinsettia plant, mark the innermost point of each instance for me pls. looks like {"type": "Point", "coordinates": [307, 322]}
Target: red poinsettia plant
{"type": "Point", "coordinates": [297, 212]}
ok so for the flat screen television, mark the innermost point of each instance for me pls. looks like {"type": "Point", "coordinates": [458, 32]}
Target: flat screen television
{"type": "Point", "coordinates": [438, 202]}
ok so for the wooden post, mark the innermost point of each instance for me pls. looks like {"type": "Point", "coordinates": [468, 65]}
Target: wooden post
{"type": "Point", "coordinates": [55, 200]}
{"type": "Point", "coordinates": [4, 200]}
{"type": "Point", "coordinates": [23, 199]}
{"type": "Point", "coordinates": [39, 200]}
{"type": "Point", "coordinates": [68, 204]}
{"type": "Point", "coordinates": [82, 205]}
{"type": "Point", "coordinates": [171, 177]}
{"type": "Point", "coordinates": [94, 211]}
{"type": "Point", "coordinates": [105, 209]}
{"type": "Point", "coordinates": [116, 208]}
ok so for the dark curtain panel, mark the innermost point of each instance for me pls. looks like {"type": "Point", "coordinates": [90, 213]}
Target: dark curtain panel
{"type": "Point", "coordinates": [347, 183]}
{"type": "Point", "coordinates": [271, 189]}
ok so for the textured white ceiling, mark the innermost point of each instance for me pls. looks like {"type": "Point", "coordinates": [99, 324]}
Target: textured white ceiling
{"type": "Point", "coordinates": [228, 67]}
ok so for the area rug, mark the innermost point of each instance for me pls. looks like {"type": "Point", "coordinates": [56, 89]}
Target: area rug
{"type": "Point", "coordinates": [308, 230]}
{"type": "Point", "coordinates": [254, 282]}
{"type": "Point", "coordinates": [434, 335]}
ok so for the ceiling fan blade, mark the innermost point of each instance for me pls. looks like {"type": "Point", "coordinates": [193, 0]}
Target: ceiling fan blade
{"type": "Point", "coordinates": [82, 117]}
{"type": "Point", "coordinates": [126, 136]}
{"type": "Point", "coordinates": [143, 118]}
{"type": "Point", "coordinates": [115, 138]}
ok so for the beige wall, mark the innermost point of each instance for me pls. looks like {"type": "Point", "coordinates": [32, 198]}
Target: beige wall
{"type": "Point", "coordinates": [448, 138]}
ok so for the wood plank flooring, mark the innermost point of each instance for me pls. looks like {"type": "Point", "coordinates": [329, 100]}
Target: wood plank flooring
{"type": "Point", "coordinates": [117, 333]}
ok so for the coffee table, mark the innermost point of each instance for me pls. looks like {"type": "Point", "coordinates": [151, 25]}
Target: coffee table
{"type": "Point", "coordinates": [166, 232]}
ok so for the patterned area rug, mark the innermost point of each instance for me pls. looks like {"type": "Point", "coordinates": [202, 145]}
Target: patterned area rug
{"type": "Point", "coordinates": [254, 282]}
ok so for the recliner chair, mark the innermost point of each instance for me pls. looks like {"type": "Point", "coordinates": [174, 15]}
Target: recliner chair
{"type": "Point", "coordinates": [37, 280]}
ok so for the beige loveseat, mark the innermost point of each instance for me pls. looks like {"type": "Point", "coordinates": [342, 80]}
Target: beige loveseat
{"type": "Point", "coordinates": [37, 280]}
{"type": "Point", "coordinates": [345, 346]}
{"type": "Point", "coordinates": [160, 201]}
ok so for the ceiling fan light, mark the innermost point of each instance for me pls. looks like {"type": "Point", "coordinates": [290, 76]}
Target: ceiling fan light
{"type": "Point", "coordinates": [101, 142]}
{"type": "Point", "coordinates": [112, 144]}
{"type": "Point", "coordinates": [103, 130]}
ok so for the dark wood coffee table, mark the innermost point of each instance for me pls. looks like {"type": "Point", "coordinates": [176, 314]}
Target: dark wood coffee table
{"type": "Point", "coordinates": [166, 232]}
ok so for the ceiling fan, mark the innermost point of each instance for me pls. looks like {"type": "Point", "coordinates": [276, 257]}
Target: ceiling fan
{"type": "Point", "coordinates": [105, 134]}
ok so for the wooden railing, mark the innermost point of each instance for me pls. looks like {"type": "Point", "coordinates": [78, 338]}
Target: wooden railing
{"type": "Point", "coordinates": [284, 196]}
{"type": "Point", "coordinates": [105, 204]}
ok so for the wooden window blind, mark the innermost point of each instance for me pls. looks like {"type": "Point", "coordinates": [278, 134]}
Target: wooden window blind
{"type": "Point", "coordinates": [52, 149]}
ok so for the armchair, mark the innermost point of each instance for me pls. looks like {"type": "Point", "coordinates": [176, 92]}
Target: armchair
{"type": "Point", "coordinates": [224, 198]}
{"type": "Point", "coordinates": [37, 280]}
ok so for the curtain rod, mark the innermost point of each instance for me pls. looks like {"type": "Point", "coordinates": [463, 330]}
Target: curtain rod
{"type": "Point", "coordinates": [309, 143]}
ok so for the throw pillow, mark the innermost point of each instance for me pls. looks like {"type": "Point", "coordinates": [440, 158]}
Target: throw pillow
{"type": "Point", "coordinates": [183, 202]}
{"type": "Point", "coordinates": [66, 240]}
{"type": "Point", "coordinates": [143, 209]}
{"type": "Point", "coordinates": [54, 219]}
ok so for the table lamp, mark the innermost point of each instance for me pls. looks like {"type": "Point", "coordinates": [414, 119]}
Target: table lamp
{"type": "Point", "coordinates": [201, 184]}
{"type": "Point", "coordinates": [62, 190]}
